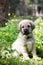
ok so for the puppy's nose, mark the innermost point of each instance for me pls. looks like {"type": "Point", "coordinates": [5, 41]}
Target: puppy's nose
{"type": "Point", "coordinates": [26, 31]}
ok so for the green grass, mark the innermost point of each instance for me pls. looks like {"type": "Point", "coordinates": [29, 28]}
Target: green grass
{"type": "Point", "coordinates": [9, 33]}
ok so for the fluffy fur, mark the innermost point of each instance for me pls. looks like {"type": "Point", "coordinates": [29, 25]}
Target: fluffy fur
{"type": "Point", "coordinates": [25, 41]}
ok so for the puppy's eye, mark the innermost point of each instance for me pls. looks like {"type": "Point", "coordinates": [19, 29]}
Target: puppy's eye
{"type": "Point", "coordinates": [22, 26]}
{"type": "Point", "coordinates": [28, 26]}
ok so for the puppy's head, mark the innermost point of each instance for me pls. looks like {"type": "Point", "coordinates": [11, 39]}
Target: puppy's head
{"type": "Point", "coordinates": [26, 26]}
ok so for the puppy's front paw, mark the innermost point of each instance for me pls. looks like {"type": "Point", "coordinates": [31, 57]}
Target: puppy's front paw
{"type": "Point", "coordinates": [37, 58]}
{"type": "Point", "coordinates": [15, 54]}
{"type": "Point", "coordinates": [26, 58]}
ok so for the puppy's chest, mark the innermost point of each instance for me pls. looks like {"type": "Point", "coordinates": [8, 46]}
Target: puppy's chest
{"type": "Point", "coordinates": [29, 44]}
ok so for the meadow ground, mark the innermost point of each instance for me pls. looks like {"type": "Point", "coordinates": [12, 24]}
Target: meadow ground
{"type": "Point", "coordinates": [7, 36]}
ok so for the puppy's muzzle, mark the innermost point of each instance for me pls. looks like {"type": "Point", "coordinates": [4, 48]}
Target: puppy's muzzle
{"type": "Point", "coordinates": [26, 31]}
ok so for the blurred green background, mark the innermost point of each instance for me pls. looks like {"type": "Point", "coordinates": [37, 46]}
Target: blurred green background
{"type": "Point", "coordinates": [11, 12]}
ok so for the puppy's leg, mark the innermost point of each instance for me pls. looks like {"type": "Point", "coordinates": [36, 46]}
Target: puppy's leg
{"type": "Point", "coordinates": [34, 52]}
{"type": "Point", "coordinates": [24, 53]}
{"type": "Point", "coordinates": [15, 54]}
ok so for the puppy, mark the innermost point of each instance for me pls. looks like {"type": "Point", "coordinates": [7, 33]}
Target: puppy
{"type": "Point", "coordinates": [25, 41]}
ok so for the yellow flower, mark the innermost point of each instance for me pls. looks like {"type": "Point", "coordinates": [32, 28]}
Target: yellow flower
{"type": "Point", "coordinates": [12, 20]}
{"type": "Point", "coordinates": [41, 24]}
{"type": "Point", "coordinates": [9, 14]}
{"type": "Point", "coordinates": [39, 47]}
{"type": "Point", "coordinates": [8, 34]}
{"type": "Point", "coordinates": [36, 32]}
{"type": "Point", "coordinates": [5, 23]}
{"type": "Point", "coordinates": [41, 20]}
{"type": "Point", "coordinates": [0, 33]}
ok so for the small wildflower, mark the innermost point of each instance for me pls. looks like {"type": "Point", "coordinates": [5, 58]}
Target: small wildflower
{"type": "Point", "coordinates": [36, 32]}
{"type": "Point", "coordinates": [5, 23]}
{"type": "Point", "coordinates": [0, 33]}
{"type": "Point", "coordinates": [9, 14]}
{"type": "Point", "coordinates": [8, 34]}
{"type": "Point", "coordinates": [39, 47]}
{"type": "Point", "coordinates": [12, 20]}
{"type": "Point", "coordinates": [16, 19]}
{"type": "Point", "coordinates": [40, 18]}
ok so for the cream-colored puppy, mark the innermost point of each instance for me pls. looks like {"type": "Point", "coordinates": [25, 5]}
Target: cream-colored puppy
{"type": "Point", "coordinates": [25, 41]}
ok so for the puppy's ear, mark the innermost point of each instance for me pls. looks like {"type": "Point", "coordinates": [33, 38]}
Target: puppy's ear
{"type": "Point", "coordinates": [19, 26]}
{"type": "Point", "coordinates": [32, 25]}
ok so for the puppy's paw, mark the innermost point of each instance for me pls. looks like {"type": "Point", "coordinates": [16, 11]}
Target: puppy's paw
{"type": "Point", "coordinates": [15, 54]}
{"type": "Point", "coordinates": [36, 58]}
{"type": "Point", "coordinates": [26, 58]}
